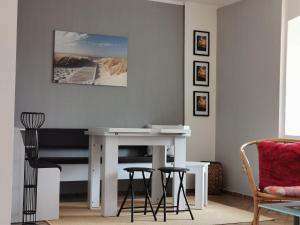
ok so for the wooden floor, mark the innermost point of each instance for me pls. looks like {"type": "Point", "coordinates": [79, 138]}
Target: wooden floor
{"type": "Point", "coordinates": [240, 202]}
{"type": "Point", "coordinates": [246, 204]}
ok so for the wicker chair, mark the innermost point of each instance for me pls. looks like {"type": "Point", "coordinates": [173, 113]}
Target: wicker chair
{"type": "Point", "coordinates": [259, 196]}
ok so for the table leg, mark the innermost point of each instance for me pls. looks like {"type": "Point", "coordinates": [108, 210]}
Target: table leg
{"type": "Point", "coordinates": [296, 220]}
{"type": "Point", "coordinates": [159, 156]}
{"type": "Point", "coordinates": [179, 161]}
{"type": "Point", "coordinates": [205, 185]}
{"type": "Point", "coordinates": [94, 171]}
{"type": "Point", "coordinates": [199, 188]}
{"type": "Point", "coordinates": [109, 187]}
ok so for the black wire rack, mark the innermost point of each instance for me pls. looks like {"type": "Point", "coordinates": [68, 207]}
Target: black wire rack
{"type": "Point", "coordinates": [32, 121]}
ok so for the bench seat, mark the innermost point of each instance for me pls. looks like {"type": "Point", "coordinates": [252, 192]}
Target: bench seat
{"type": "Point", "coordinates": [84, 160]}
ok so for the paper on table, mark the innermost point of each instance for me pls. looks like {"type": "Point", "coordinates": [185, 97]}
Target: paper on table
{"type": "Point", "coordinates": [171, 129]}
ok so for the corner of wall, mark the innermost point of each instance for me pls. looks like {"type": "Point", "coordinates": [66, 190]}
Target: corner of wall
{"type": "Point", "coordinates": [201, 145]}
{"type": "Point", "coordinates": [282, 84]}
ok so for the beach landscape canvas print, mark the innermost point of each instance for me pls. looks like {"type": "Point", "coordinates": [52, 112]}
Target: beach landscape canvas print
{"type": "Point", "coordinates": [81, 58]}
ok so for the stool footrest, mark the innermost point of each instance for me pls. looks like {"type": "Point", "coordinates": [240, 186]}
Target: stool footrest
{"type": "Point", "coordinates": [174, 211]}
{"type": "Point", "coordinates": [174, 206]}
{"type": "Point", "coordinates": [141, 211]}
{"type": "Point", "coordinates": [171, 206]}
{"type": "Point", "coordinates": [138, 211]}
{"type": "Point", "coordinates": [136, 207]}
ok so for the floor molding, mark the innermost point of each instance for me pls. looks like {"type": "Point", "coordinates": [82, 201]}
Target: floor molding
{"type": "Point", "coordinates": [237, 194]}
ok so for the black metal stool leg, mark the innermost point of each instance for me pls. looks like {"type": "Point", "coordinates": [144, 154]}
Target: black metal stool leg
{"type": "Point", "coordinates": [163, 187]}
{"type": "Point", "coordinates": [159, 204]}
{"type": "Point", "coordinates": [126, 196]}
{"type": "Point", "coordinates": [148, 196]}
{"type": "Point", "coordinates": [178, 197]}
{"type": "Point", "coordinates": [165, 196]}
{"type": "Point", "coordinates": [145, 206]}
{"type": "Point", "coordinates": [130, 190]}
{"type": "Point", "coordinates": [162, 197]}
{"type": "Point", "coordinates": [132, 197]}
{"type": "Point", "coordinates": [181, 172]}
{"type": "Point", "coordinates": [181, 175]}
{"type": "Point", "coordinates": [146, 188]}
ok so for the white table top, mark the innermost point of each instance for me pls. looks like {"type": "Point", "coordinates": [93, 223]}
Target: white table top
{"type": "Point", "coordinates": [149, 131]}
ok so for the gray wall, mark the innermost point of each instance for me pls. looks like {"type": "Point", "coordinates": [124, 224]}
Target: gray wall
{"type": "Point", "coordinates": [247, 81]}
{"type": "Point", "coordinates": [155, 63]}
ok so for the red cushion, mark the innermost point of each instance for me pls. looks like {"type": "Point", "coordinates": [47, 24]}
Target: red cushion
{"type": "Point", "coordinates": [279, 164]}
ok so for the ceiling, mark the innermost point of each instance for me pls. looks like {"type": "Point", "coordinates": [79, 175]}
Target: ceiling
{"type": "Point", "coordinates": [218, 3]}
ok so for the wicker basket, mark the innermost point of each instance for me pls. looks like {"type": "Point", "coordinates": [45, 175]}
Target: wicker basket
{"type": "Point", "coordinates": [215, 178]}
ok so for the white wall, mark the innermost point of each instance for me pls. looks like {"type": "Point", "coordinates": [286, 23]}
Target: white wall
{"type": "Point", "coordinates": [201, 145]}
{"type": "Point", "coordinates": [8, 27]}
{"type": "Point", "coordinates": [292, 9]}
{"type": "Point", "coordinates": [248, 80]}
{"type": "Point", "coordinates": [155, 48]}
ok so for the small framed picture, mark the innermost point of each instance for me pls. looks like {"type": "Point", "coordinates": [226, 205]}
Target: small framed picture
{"type": "Point", "coordinates": [201, 73]}
{"type": "Point", "coordinates": [201, 43]}
{"type": "Point", "coordinates": [201, 103]}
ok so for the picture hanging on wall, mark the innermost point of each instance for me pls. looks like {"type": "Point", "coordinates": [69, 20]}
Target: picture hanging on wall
{"type": "Point", "coordinates": [201, 73]}
{"type": "Point", "coordinates": [201, 103]}
{"type": "Point", "coordinates": [92, 59]}
{"type": "Point", "coordinates": [201, 43]}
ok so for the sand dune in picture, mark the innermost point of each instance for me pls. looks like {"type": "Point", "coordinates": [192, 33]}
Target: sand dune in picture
{"type": "Point", "coordinates": [75, 69]}
{"type": "Point", "coordinates": [112, 71]}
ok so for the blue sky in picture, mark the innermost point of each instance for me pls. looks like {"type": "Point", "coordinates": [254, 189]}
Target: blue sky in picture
{"type": "Point", "coordinates": [90, 44]}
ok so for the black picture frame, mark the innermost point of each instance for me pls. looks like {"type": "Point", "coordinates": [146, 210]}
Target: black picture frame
{"type": "Point", "coordinates": [197, 111]}
{"type": "Point", "coordinates": [198, 49]}
{"type": "Point", "coordinates": [196, 77]}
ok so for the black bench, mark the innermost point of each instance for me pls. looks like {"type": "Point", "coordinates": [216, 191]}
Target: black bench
{"type": "Point", "coordinates": [70, 146]}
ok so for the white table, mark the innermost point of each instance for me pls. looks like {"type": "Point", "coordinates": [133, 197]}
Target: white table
{"type": "Point", "coordinates": [105, 142]}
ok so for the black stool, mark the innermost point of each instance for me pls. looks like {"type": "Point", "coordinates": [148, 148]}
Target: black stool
{"type": "Point", "coordinates": [181, 172]}
{"type": "Point", "coordinates": [131, 171]}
